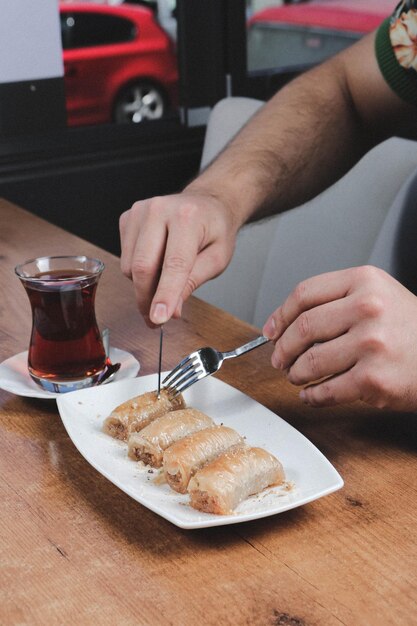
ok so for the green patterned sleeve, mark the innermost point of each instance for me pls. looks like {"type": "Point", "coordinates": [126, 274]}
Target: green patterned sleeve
{"type": "Point", "coordinates": [395, 56]}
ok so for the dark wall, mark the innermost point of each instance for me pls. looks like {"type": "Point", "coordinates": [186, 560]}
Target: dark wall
{"type": "Point", "coordinates": [83, 179]}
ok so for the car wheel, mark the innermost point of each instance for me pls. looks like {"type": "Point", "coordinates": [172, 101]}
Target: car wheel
{"type": "Point", "coordinates": [139, 101]}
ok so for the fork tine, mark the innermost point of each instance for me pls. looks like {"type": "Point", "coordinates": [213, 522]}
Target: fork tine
{"type": "Point", "coordinates": [177, 368]}
{"type": "Point", "coordinates": [190, 381]}
{"type": "Point", "coordinates": [183, 379]}
{"type": "Point", "coordinates": [172, 392]}
{"type": "Point", "coordinates": [179, 376]}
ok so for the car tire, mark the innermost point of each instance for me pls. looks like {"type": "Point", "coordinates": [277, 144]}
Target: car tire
{"type": "Point", "coordinates": [139, 101]}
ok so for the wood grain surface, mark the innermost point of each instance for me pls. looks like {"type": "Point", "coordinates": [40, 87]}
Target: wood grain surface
{"type": "Point", "coordinates": [76, 550]}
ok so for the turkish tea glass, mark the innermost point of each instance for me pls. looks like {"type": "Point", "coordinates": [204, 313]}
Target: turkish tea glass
{"type": "Point", "coordinates": [66, 350]}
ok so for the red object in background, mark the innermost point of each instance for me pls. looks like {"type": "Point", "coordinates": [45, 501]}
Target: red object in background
{"type": "Point", "coordinates": [361, 16]}
{"type": "Point", "coordinates": [120, 65]}
{"type": "Point", "coordinates": [296, 37]}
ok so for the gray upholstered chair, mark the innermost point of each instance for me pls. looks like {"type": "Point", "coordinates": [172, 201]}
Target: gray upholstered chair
{"type": "Point", "coordinates": [368, 216]}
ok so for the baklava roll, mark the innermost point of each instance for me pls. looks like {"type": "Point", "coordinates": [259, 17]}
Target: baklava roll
{"type": "Point", "coordinates": [185, 457]}
{"type": "Point", "coordinates": [149, 445]}
{"type": "Point", "coordinates": [135, 414]}
{"type": "Point", "coordinates": [223, 484]}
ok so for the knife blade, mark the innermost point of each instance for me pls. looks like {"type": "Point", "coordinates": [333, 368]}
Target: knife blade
{"type": "Point", "coordinates": [161, 338]}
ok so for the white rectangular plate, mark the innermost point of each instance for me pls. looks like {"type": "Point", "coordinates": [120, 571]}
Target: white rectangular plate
{"type": "Point", "coordinates": [309, 474]}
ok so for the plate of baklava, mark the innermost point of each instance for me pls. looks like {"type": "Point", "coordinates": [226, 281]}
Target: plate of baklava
{"type": "Point", "coordinates": [208, 457]}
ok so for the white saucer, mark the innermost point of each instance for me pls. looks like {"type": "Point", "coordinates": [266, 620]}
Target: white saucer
{"type": "Point", "coordinates": [14, 375]}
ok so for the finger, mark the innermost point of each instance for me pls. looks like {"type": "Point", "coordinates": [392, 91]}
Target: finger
{"type": "Point", "coordinates": [320, 324]}
{"type": "Point", "coordinates": [209, 263]}
{"type": "Point", "coordinates": [308, 294]}
{"type": "Point", "coordinates": [323, 360]}
{"type": "Point", "coordinates": [146, 263]}
{"type": "Point", "coordinates": [128, 229]}
{"type": "Point", "coordinates": [181, 251]}
{"type": "Point", "coordinates": [339, 389]}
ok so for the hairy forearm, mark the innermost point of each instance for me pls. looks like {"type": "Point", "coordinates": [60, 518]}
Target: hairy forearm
{"type": "Point", "coordinates": [300, 142]}
{"type": "Point", "coordinates": [307, 136]}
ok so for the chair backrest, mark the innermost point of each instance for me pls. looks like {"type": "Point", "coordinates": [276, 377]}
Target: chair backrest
{"type": "Point", "coordinates": [226, 119]}
{"type": "Point", "coordinates": [360, 219]}
{"type": "Point", "coordinates": [395, 248]}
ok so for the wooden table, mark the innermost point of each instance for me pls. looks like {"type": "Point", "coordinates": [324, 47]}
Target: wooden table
{"type": "Point", "coordinates": [76, 550]}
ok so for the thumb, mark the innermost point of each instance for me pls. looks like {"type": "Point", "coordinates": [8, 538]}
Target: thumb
{"type": "Point", "coordinates": [209, 263]}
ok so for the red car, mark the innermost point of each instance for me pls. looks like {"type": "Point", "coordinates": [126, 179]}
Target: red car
{"type": "Point", "coordinates": [299, 35]}
{"type": "Point", "coordinates": [120, 65]}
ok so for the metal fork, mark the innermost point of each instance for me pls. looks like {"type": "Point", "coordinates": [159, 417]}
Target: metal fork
{"type": "Point", "coordinates": [202, 363]}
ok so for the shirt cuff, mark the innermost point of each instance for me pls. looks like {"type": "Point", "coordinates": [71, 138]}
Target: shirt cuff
{"type": "Point", "coordinates": [402, 81]}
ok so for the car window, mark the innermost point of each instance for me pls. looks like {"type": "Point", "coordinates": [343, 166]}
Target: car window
{"type": "Point", "coordinates": [83, 30]}
{"type": "Point", "coordinates": [273, 46]}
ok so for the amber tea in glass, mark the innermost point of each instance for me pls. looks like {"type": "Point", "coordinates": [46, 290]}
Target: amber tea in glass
{"type": "Point", "coordinates": [66, 350]}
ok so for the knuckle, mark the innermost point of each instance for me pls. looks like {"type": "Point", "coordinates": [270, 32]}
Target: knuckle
{"type": "Point", "coordinates": [285, 355]}
{"type": "Point", "coordinates": [218, 259]}
{"type": "Point", "coordinates": [176, 263]}
{"type": "Point", "coordinates": [280, 352]}
{"type": "Point", "coordinates": [137, 214]}
{"type": "Point", "coordinates": [123, 219]}
{"type": "Point", "coordinates": [304, 325]}
{"type": "Point", "coordinates": [299, 293]}
{"type": "Point", "coordinates": [322, 394]}
{"type": "Point", "coordinates": [367, 273]}
{"type": "Point", "coordinates": [187, 212]}
{"type": "Point", "coordinates": [373, 381]}
{"type": "Point", "coordinates": [374, 342]}
{"type": "Point", "coordinates": [154, 204]}
{"type": "Point", "coordinates": [374, 387]}
{"type": "Point", "coordinates": [380, 402]}
{"type": "Point", "coordinates": [125, 269]}
{"type": "Point", "coordinates": [327, 394]}
{"type": "Point", "coordinates": [141, 267]}
{"type": "Point", "coordinates": [280, 317]}
{"type": "Point", "coordinates": [313, 360]}
{"type": "Point", "coordinates": [136, 207]}
{"type": "Point", "coordinates": [149, 209]}
{"type": "Point", "coordinates": [370, 306]}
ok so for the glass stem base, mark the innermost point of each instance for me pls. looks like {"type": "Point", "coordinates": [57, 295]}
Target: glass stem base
{"type": "Point", "coordinates": [64, 386]}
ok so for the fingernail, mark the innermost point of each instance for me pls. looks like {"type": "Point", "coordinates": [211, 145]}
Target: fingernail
{"type": "Point", "coordinates": [159, 313]}
{"type": "Point", "coordinates": [303, 396]}
{"type": "Point", "coordinates": [270, 328]}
